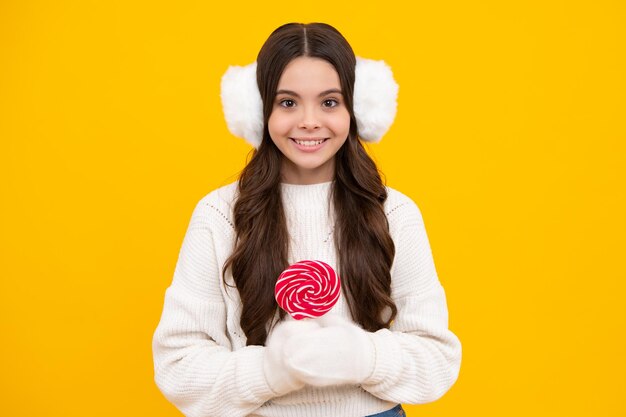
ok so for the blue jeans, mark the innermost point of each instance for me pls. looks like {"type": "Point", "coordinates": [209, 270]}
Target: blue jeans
{"type": "Point", "coordinates": [396, 411]}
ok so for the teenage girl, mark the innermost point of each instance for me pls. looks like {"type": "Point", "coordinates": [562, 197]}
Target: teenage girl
{"type": "Point", "coordinates": [310, 192]}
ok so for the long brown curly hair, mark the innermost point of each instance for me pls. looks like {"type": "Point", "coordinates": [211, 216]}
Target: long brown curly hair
{"type": "Point", "coordinates": [361, 235]}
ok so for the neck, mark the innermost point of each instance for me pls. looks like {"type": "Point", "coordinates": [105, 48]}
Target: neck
{"type": "Point", "coordinates": [292, 174]}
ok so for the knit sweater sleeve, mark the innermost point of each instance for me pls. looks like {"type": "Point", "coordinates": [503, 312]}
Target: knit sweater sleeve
{"type": "Point", "coordinates": [195, 366]}
{"type": "Point", "coordinates": [418, 358]}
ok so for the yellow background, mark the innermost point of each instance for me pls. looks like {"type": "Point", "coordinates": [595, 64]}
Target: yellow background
{"type": "Point", "coordinates": [510, 137]}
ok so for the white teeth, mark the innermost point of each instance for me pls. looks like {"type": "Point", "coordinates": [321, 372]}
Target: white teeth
{"type": "Point", "coordinates": [309, 142]}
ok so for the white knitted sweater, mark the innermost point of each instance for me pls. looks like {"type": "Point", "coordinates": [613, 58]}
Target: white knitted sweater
{"type": "Point", "coordinates": [201, 361]}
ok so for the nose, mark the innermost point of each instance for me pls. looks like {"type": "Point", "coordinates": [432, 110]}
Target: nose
{"type": "Point", "coordinates": [309, 119]}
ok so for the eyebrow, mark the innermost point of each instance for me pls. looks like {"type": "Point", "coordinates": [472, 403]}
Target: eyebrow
{"type": "Point", "coordinates": [323, 93]}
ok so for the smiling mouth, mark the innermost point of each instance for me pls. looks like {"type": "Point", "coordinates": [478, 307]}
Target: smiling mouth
{"type": "Point", "coordinates": [309, 142]}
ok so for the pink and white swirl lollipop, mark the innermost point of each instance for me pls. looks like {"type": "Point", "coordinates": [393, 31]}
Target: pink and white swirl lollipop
{"type": "Point", "coordinates": [308, 289]}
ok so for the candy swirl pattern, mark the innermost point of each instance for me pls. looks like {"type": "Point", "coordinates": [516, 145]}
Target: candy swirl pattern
{"type": "Point", "coordinates": [308, 289]}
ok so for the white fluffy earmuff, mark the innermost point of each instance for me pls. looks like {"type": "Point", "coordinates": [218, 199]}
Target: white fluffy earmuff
{"type": "Point", "coordinates": [375, 101]}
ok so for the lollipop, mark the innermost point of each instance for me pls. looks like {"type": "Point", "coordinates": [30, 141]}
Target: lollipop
{"type": "Point", "coordinates": [307, 289]}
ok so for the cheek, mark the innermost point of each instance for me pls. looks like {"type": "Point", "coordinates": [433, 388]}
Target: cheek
{"type": "Point", "coordinates": [278, 124]}
{"type": "Point", "coordinates": [341, 123]}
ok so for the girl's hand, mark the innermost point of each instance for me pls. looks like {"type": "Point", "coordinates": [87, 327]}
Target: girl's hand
{"type": "Point", "coordinates": [278, 375]}
{"type": "Point", "coordinates": [336, 352]}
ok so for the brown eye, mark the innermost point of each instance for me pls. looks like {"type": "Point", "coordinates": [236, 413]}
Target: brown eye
{"type": "Point", "coordinates": [287, 103]}
{"type": "Point", "coordinates": [331, 102]}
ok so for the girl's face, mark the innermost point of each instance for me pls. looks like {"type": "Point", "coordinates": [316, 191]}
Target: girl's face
{"type": "Point", "coordinates": [309, 120]}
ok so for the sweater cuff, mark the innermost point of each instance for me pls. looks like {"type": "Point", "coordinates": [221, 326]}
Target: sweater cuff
{"type": "Point", "coordinates": [386, 363]}
{"type": "Point", "coordinates": [257, 389]}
